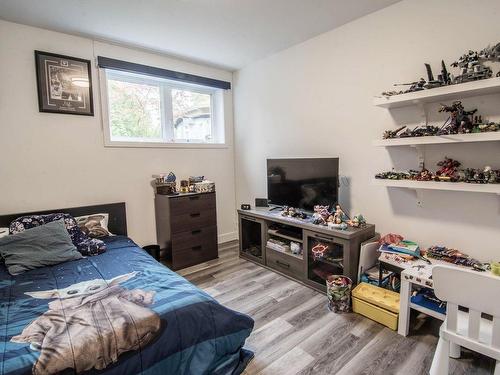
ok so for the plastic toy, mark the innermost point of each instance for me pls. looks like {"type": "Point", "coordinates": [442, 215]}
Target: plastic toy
{"type": "Point", "coordinates": [459, 120]}
{"type": "Point", "coordinates": [448, 170]}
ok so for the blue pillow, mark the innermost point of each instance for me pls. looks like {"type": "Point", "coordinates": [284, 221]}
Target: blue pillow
{"type": "Point", "coordinates": [44, 245]}
{"type": "Point", "coordinates": [85, 245]}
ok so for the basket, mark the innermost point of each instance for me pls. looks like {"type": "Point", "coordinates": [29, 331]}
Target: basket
{"type": "Point", "coordinates": [338, 291]}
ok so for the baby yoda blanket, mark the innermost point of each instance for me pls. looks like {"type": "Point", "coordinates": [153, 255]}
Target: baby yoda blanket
{"type": "Point", "coordinates": [120, 312]}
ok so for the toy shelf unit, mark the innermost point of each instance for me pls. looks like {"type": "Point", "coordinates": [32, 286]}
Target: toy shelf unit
{"type": "Point", "coordinates": [438, 185]}
{"type": "Point", "coordinates": [439, 139]}
{"type": "Point", "coordinates": [462, 90]}
{"type": "Point", "coordinates": [285, 245]}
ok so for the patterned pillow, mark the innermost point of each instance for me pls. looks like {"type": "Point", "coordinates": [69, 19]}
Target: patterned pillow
{"type": "Point", "coordinates": [86, 246]}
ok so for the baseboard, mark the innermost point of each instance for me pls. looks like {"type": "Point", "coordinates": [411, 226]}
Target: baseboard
{"type": "Point", "coordinates": [226, 237]}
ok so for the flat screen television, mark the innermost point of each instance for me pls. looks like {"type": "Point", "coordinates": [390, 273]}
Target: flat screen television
{"type": "Point", "coordinates": [303, 183]}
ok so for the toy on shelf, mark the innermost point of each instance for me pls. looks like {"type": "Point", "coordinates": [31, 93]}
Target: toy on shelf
{"type": "Point", "coordinates": [455, 257]}
{"type": "Point", "coordinates": [165, 184]}
{"type": "Point", "coordinates": [459, 121]}
{"type": "Point", "coordinates": [334, 220]}
{"type": "Point", "coordinates": [293, 212]}
{"type": "Point", "coordinates": [184, 186]}
{"type": "Point", "coordinates": [321, 215]}
{"type": "Point", "coordinates": [471, 65]}
{"type": "Point", "coordinates": [194, 180]}
{"type": "Point", "coordinates": [205, 186]}
{"type": "Point", "coordinates": [357, 221]}
{"type": "Point", "coordinates": [448, 172]}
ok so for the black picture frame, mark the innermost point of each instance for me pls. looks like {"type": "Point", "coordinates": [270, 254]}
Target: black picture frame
{"type": "Point", "coordinates": [57, 92]}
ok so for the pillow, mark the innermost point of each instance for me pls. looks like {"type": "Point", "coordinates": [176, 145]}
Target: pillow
{"type": "Point", "coordinates": [84, 244]}
{"type": "Point", "coordinates": [41, 246]}
{"type": "Point", "coordinates": [95, 225]}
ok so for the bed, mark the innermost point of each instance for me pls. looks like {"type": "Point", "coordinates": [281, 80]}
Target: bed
{"type": "Point", "coordinates": [135, 317]}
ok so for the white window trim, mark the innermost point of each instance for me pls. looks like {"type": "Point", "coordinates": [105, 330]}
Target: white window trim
{"type": "Point", "coordinates": [149, 143]}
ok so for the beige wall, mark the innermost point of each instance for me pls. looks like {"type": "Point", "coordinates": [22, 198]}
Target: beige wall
{"type": "Point", "coordinates": [53, 161]}
{"type": "Point", "coordinates": [315, 99]}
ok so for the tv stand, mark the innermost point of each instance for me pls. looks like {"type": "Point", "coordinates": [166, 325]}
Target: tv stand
{"type": "Point", "coordinates": [259, 225]}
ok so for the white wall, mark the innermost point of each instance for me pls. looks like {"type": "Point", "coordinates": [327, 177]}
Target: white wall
{"type": "Point", "coordinates": [54, 160]}
{"type": "Point", "coordinates": [315, 99]}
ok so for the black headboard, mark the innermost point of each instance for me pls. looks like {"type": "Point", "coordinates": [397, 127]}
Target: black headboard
{"type": "Point", "coordinates": [117, 215]}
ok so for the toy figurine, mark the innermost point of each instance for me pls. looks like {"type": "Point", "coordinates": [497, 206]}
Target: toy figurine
{"type": "Point", "coordinates": [339, 216]}
{"type": "Point", "coordinates": [391, 93]}
{"type": "Point", "coordinates": [321, 215]}
{"type": "Point", "coordinates": [414, 86]}
{"type": "Point", "coordinates": [431, 82]}
{"type": "Point", "coordinates": [184, 186]}
{"type": "Point", "coordinates": [423, 175]}
{"type": "Point", "coordinates": [459, 120]}
{"type": "Point", "coordinates": [357, 221]}
{"type": "Point", "coordinates": [292, 212]}
{"type": "Point", "coordinates": [471, 68]}
{"type": "Point", "coordinates": [454, 256]}
{"type": "Point", "coordinates": [388, 134]}
{"type": "Point", "coordinates": [448, 170]}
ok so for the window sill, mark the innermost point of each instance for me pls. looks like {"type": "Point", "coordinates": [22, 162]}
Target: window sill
{"type": "Point", "coordinates": [121, 144]}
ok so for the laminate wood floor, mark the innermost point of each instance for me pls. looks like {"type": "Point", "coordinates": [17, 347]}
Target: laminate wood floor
{"type": "Point", "coordinates": [296, 334]}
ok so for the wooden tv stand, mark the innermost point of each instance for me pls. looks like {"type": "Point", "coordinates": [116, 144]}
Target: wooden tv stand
{"type": "Point", "coordinates": [257, 226]}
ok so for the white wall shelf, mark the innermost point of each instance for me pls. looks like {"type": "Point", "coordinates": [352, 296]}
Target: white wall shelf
{"type": "Point", "coordinates": [452, 92]}
{"type": "Point", "coordinates": [435, 185]}
{"type": "Point", "coordinates": [440, 139]}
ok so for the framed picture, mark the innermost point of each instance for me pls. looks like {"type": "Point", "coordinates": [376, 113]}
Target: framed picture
{"type": "Point", "coordinates": [64, 84]}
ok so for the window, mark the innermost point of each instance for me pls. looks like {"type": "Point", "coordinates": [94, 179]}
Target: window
{"type": "Point", "coordinates": [140, 109]}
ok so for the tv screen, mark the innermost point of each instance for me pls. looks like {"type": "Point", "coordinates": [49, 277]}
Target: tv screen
{"type": "Point", "coordinates": [303, 183]}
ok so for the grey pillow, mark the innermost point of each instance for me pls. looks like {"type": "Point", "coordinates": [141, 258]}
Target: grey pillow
{"type": "Point", "coordinates": [41, 246]}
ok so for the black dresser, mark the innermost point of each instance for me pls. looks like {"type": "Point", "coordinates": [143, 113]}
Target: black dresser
{"type": "Point", "coordinates": [186, 228]}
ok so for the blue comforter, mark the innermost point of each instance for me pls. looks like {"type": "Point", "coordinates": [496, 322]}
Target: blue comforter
{"type": "Point", "coordinates": [120, 312]}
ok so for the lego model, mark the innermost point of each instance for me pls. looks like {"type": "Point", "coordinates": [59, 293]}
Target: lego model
{"type": "Point", "coordinates": [459, 121]}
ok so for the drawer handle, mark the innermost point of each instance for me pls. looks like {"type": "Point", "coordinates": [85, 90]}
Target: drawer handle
{"type": "Point", "coordinates": [196, 248]}
{"type": "Point", "coordinates": [196, 231]}
{"type": "Point", "coordinates": [285, 265]}
{"type": "Point", "coordinates": [248, 218]}
{"type": "Point", "coordinates": [194, 197]}
{"type": "Point", "coordinates": [195, 214]}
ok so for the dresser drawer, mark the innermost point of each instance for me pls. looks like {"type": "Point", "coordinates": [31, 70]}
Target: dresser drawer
{"type": "Point", "coordinates": [192, 203]}
{"type": "Point", "coordinates": [192, 220]}
{"type": "Point", "coordinates": [194, 254]}
{"type": "Point", "coordinates": [285, 263]}
{"type": "Point", "coordinates": [186, 240]}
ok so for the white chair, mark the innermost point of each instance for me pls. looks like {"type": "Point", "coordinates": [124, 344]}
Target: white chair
{"type": "Point", "coordinates": [480, 293]}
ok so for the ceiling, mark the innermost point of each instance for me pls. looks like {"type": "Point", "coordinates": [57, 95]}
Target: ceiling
{"type": "Point", "coordinates": [224, 33]}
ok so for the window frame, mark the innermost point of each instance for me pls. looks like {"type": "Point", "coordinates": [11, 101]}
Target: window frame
{"type": "Point", "coordinates": [218, 125]}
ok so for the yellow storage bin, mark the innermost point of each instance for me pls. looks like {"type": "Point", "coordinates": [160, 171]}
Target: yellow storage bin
{"type": "Point", "coordinates": [376, 303]}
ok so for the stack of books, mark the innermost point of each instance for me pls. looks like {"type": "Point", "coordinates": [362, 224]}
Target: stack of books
{"type": "Point", "coordinates": [372, 276]}
{"type": "Point", "coordinates": [403, 247]}
{"type": "Point", "coordinates": [278, 245]}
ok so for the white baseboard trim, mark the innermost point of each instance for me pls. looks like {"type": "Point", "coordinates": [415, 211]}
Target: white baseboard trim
{"type": "Point", "coordinates": [226, 237]}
